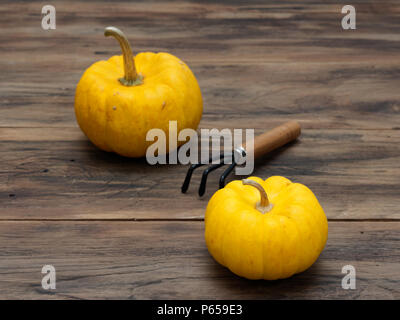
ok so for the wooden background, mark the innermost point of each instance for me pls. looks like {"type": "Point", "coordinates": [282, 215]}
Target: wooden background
{"type": "Point", "coordinates": [119, 228]}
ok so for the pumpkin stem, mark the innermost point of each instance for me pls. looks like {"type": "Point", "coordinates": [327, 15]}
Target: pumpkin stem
{"type": "Point", "coordinates": [131, 78]}
{"type": "Point", "coordinates": [263, 206]}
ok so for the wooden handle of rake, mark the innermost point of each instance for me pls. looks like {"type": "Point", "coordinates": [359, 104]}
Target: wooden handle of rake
{"type": "Point", "coordinates": [275, 138]}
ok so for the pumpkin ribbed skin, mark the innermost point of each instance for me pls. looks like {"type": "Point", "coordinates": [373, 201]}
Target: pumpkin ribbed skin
{"type": "Point", "coordinates": [275, 245]}
{"type": "Point", "coordinates": [117, 117]}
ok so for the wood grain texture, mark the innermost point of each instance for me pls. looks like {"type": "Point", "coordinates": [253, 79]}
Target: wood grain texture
{"type": "Point", "coordinates": [169, 260]}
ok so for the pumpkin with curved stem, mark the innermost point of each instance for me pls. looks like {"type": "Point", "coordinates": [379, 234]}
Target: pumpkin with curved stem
{"type": "Point", "coordinates": [119, 100]}
{"type": "Point", "coordinates": [268, 229]}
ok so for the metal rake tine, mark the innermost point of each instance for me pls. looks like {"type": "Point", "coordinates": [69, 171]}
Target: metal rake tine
{"type": "Point", "coordinates": [202, 188]}
{"type": "Point", "coordinates": [185, 185]}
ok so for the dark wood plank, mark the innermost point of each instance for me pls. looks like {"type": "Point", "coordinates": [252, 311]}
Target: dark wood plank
{"type": "Point", "coordinates": [253, 60]}
{"type": "Point", "coordinates": [49, 173]}
{"type": "Point", "coordinates": [258, 64]}
{"type": "Point", "coordinates": [154, 260]}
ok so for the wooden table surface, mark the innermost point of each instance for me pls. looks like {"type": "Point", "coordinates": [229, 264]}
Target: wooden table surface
{"type": "Point", "coordinates": [119, 228]}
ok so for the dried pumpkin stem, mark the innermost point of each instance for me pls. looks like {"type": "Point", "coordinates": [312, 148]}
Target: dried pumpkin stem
{"type": "Point", "coordinates": [263, 206]}
{"type": "Point", "coordinates": [131, 77]}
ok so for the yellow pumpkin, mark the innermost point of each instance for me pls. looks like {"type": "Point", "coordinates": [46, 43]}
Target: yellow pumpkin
{"type": "Point", "coordinates": [119, 100]}
{"type": "Point", "coordinates": [268, 229]}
